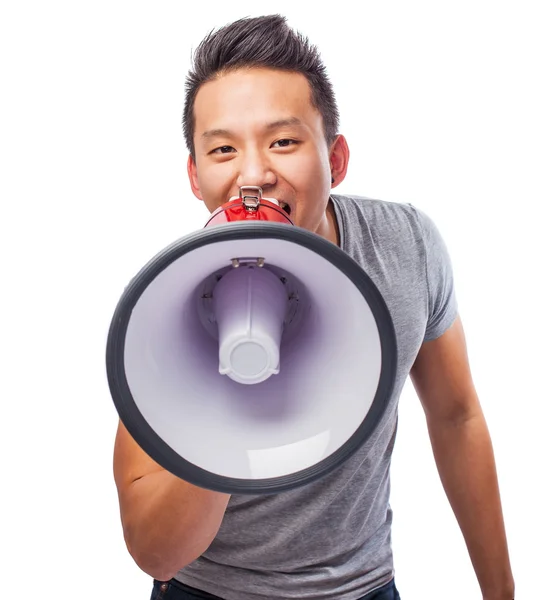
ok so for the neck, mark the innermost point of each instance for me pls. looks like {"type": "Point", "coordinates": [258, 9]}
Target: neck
{"type": "Point", "coordinates": [328, 227]}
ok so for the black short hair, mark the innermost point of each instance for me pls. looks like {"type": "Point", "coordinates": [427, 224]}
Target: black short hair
{"type": "Point", "coordinates": [266, 42]}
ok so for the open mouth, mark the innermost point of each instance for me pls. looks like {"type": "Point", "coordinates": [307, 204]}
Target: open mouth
{"type": "Point", "coordinates": [284, 206]}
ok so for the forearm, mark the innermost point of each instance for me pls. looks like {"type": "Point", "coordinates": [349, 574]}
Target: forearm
{"type": "Point", "coordinates": [465, 461]}
{"type": "Point", "coordinates": [168, 522]}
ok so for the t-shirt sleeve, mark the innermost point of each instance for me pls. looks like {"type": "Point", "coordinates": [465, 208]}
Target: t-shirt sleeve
{"type": "Point", "coordinates": [443, 307]}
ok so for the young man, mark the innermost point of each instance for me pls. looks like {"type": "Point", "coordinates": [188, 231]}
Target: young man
{"type": "Point", "coordinates": [260, 111]}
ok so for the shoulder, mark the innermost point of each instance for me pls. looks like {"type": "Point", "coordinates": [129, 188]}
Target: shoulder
{"type": "Point", "coordinates": [380, 217]}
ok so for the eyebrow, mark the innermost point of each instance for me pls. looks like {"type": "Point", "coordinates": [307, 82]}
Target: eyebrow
{"type": "Point", "coordinates": [290, 122]}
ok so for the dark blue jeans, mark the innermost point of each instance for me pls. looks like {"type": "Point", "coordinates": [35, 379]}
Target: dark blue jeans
{"type": "Point", "coordinates": [175, 590]}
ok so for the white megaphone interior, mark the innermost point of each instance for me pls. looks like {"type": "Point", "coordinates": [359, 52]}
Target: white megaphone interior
{"type": "Point", "coordinates": [329, 370]}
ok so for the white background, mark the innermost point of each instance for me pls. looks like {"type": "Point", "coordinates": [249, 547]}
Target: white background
{"type": "Point", "coordinates": [443, 104]}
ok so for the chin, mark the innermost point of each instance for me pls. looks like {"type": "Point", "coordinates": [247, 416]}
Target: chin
{"type": "Point", "coordinates": [306, 225]}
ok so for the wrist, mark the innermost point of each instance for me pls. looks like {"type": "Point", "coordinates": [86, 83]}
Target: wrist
{"type": "Point", "coordinates": [505, 593]}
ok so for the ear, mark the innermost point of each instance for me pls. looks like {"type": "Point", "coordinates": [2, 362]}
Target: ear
{"type": "Point", "coordinates": [193, 177]}
{"type": "Point", "coordinates": [339, 159]}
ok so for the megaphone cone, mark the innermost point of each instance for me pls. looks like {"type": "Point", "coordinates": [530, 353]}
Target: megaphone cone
{"type": "Point", "coordinates": [252, 356]}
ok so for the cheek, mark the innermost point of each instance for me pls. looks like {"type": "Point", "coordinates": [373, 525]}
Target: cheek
{"type": "Point", "coordinates": [305, 172]}
{"type": "Point", "coordinates": [213, 180]}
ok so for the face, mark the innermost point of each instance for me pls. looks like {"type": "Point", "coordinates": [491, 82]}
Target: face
{"type": "Point", "coordinates": [259, 127]}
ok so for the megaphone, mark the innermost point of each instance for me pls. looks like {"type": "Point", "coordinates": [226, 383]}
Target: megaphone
{"type": "Point", "coordinates": [252, 356]}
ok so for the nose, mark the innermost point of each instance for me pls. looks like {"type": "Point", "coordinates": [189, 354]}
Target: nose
{"type": "Point", "coordinates": [255, 169]}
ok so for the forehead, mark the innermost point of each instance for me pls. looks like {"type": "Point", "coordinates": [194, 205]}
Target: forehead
{"type": "Point", "coordinates": [253, 95]}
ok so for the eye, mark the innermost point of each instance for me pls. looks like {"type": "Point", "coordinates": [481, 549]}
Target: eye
{"type": "Point", "coordinates": [222, 150]}
{"type": "Point", "coordinates": [284, 143]}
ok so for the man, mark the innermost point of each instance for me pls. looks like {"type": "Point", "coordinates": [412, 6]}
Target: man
{"type": "Point", "coordinates": [260, 110]}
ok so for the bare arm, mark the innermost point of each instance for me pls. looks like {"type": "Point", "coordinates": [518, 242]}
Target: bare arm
{"type": "Point", "coordinates": [464, 457]}
{"type": "Point", "coordinates": [167, 522]}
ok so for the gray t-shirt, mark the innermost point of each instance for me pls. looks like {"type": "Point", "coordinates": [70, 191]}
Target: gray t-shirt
{"type": "Point", "coordinates": [331, 539]}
